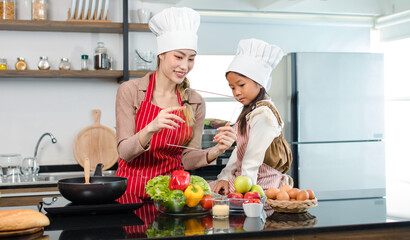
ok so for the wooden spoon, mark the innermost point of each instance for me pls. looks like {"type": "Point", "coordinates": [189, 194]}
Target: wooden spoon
{"type": "Point", "coordinates": [87, 170]}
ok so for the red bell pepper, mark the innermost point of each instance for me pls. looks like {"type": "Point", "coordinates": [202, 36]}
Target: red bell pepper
{"type": "Point", "coordinates": [180, 180]}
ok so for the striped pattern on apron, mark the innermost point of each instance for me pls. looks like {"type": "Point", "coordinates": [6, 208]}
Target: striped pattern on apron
{"type": "Point", "coordinates": [161, 159]}
{"type": "Point", "coordinates": [268, 177]}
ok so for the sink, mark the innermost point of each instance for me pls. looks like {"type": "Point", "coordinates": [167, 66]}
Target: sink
{"type": "Point", "coordinates": [55, 176]}
{"type": "Point", "coordinates": [51, 178]}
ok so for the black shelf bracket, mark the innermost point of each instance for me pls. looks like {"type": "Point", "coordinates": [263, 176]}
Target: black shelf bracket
{"type": "Point", "coordinates": [125, 37]}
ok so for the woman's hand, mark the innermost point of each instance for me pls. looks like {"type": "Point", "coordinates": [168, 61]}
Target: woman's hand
{"type": "Point", "coordinates": [165, 119]}
{"type": "Point", "coordinates": [221, 187]}
{"type": "Point", "coordinates": [225, 138]}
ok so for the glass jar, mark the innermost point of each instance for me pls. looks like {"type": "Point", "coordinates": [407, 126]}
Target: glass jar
{"type": "Point", "coordinates": [84, 62]}
{"type": "Point", "coordinates": [100, 57]}
{"type": "Point", "coordinates": [38, 9]}
{"type": "Point", "coordinates": [43, 64]}
{"type": "Point", "coordinates": [21, 64]}
{"type": "Point", "coordinates": [64, 64]}
{"type": "Point", "coordinates": [7, 9]}
{"type": "Point", "coordinates": [3, 64]}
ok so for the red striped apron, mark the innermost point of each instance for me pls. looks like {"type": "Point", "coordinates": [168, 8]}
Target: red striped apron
{"type": "Point", "coordinates": [146, 213]}
{"type": "Point", "coordinates": [160, 159]}
{"type": "Point", "coordinates": [267, 176]}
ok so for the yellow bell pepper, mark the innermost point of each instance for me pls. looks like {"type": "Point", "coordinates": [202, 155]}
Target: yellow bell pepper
{"type": "Point", "coordinates": [193, 227]}
{"type": "Point", "coordinates": [193, 194]}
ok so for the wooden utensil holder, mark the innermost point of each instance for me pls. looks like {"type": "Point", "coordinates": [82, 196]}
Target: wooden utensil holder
{"type": "Point", "coordinates": [82, 19]}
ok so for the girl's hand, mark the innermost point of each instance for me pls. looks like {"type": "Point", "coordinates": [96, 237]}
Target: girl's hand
{"type": "Point", "coordinates": [165, 119]}
{"type": "Point", "coordinates": [225, 138]}
{"type": "Point", "coordinates": [221, 187]}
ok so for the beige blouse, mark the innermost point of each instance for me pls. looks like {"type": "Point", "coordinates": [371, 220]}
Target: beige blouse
{"type": "Point", "coordinates": [130, 94]}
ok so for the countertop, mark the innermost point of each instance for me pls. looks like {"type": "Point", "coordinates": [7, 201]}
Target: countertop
{"type": "Point", "coordinates": [49, 177]}
{"type": "Point", "coordinates": [339, 217]}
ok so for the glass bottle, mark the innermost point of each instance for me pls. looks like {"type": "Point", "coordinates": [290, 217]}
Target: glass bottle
{"type": "Point", "coordinates": [3, 64]}
{"type": "Point", "coordinates": [110, 63]}
{"type": "Point", "coordinates": [38, 9]}
{"type": "Point", "coordinates": [7, 9]}
{"type": "Point", "coordinates": [100, 57]}
{"type": "Point", "coordinates": [84, 62]}
{"type": "Point", "coordinates": [64, 64]}
{"type": "Point", "coordinates": [21, 64]}
{"type": "Point", "coordinates": [43, 64]}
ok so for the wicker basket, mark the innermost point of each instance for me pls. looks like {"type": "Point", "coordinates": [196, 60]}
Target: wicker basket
{"type": "Point", "coordinates": [291, 206]}
{"type": "Point", "coordinates": [283, 220]}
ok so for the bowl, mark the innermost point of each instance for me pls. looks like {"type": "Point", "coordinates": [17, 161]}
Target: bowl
{"type": "Point", "coordinates": [253, 224]}
{"type": "Point", "coordinates": [253, 209]}
{"type": "Point", "coordinates": [237, 203]}
{"type": "Point", "coordinates": [163, 206]}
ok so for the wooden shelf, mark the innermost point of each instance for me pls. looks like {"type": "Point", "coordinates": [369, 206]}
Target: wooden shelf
{"type": "Point", "coordinates": [138, 27]}
{"type": "Point", "coordinates": [65, 26]}
{"type": "Point", "coordinates": [138, 73]}
{"type": "Point", "coordinates": [116, 74]}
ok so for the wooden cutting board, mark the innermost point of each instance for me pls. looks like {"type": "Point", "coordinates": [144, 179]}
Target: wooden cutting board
{"type": "Point", "coordinates": [22, 232]}
{"type": "Point", "coordinates": [98, 143]}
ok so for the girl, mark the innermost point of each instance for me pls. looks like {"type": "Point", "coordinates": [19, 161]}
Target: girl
{"type": "Point", "coordinates": [249, 78]}
{"type": "Point", "coordinates": [157, 110]}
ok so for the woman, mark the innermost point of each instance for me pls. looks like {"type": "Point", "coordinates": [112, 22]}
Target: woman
{"type": "Point", "coordinates": [159, 111]}
{"type": "Point", "coordinates": [259, 122]}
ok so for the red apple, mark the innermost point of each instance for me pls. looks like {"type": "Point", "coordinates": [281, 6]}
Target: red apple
{"type": "Point", "coordinates": [235, 199]}
{"type": "Point", "coordinates": [236, 220]}
{"type": "Point", "coordinates": [252, 195]}
{"type": "Point", "coordinates": [235, 195]}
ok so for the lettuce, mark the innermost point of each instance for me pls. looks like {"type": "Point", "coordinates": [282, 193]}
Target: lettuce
{"type": "Point", "coordinates": [201, 182]}
{"type": "Point", "coordinates": [157, 187]}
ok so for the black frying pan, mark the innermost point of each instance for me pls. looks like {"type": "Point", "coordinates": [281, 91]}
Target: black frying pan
{"type": "Point", "coordinates": [102, 189]}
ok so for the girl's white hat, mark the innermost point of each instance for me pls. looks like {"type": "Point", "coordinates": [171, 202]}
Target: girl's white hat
{"type": "Point", "coordinates": [175, 28]}
{"type": "Point", "coordinates": [256, 59]}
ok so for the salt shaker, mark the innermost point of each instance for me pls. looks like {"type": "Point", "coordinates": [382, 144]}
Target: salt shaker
{"type": "Point", "coordinates": [84, 62]}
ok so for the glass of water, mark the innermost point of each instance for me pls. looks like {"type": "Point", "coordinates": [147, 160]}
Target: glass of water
{"type": "Point", "coordinates": [13, 174]}
{"type": "Point", "coordinates": [30, 168]}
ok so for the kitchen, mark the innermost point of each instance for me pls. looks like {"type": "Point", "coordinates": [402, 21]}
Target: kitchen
{"type": "Point", "coordinates": [62, 106]}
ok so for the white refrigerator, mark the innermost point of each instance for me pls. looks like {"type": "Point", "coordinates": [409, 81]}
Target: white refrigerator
{"type": "Point", "coordinates": [333, 108]}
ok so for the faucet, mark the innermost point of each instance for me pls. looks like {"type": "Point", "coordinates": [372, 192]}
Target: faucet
{"type": "Point", "coordinates": [53, 140]}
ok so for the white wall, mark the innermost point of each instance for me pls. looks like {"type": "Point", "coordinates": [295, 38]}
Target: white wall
{"type": "Point", "coordinates": [30, 107]}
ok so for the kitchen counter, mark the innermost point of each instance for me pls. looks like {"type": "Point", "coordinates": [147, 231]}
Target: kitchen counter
{"type": "Point", "coordinates": [362, 218]}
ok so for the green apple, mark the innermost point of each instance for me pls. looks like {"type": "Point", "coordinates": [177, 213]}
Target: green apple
{"type": "Point", "coordinates": [243, 184]}
{"type": "Point", "coordinates": [257, 188]}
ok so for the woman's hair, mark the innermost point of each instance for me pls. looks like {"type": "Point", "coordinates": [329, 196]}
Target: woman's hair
{"type": "Point", "coordinates": [262, 95]}
{"type": "Point", "coordinates": [183, 89]}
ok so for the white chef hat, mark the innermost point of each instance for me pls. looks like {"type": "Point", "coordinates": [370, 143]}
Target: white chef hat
{"type": "Point", "coordinates": [175, 28]}
{"type": "Point", "coordinates": [256, 59]}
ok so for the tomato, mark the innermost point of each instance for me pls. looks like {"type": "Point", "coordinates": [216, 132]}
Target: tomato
{"type": "Point", "coordinates": [206, 202]}
{"type": "Point", "coordinates": [253, 201]}
{"type": "Point", "coordinates": [207, 221]}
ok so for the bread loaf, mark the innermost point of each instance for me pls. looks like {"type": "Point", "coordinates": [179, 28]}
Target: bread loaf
{"type": "Point", "coordinates": [18, 219]}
